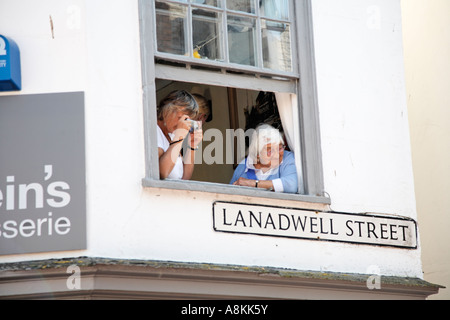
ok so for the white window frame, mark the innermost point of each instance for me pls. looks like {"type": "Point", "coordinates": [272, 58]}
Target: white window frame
{"type": "Point", "coordinates": [257, 79]}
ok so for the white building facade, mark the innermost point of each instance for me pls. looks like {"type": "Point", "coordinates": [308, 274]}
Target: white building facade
{"type": "Point", "coordinates": [336, 69]}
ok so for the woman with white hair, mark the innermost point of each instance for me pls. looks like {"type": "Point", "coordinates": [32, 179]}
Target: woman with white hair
{"type": "Point", "coordinates": [268, 165]}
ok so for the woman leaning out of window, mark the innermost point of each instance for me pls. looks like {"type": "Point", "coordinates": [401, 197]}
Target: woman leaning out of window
{"type": "Point", "coordinates": [268, 166]}
{"type": "Point", "coordinates": [174, 127]}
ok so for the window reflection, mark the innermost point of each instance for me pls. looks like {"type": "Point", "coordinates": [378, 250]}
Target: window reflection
{"type": "Point", "coordinates": [241, 5]}
{"type": "Point", "coordinates": [276, 40]}
{"type": "Point", "coordinates": [275, 9]}
{"type": "Point", "coordinates": [241, 40]}
{"type": "Point", "coordinates": [171, 28]}
{"type": "Point", "coordinates": [206, 26]}
{"type": "Point", "coordinates": [213, 3]}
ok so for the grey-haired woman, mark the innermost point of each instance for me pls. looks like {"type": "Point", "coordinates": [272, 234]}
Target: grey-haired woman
{"type": "Point", "coordinates": [174, 127]}
{"type": "Point", "coordinates": [268, 165]}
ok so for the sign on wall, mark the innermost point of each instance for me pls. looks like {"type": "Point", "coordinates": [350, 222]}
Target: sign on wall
{"type": "Point", "coordinates": [10, 71]}
{"type": "Point", "coordinates": [42, 173]}
{"type": "Point", "coordinates": [314, 225]}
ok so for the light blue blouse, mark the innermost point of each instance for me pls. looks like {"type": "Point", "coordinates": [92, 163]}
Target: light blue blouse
{"type": "Point", "coordinates": [287, 172]}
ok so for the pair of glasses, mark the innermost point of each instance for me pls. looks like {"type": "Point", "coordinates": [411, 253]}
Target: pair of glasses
{"type": "Point", "coordinates": [269, 149]}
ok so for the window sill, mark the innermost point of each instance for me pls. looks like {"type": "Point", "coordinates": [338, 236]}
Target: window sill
{"type": "Point", "coordinates": [209, 187]}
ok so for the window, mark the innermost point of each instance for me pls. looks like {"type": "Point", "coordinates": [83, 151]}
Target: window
{"type": "Point", "coordinates": [232, 52]}
{"type": "Point", "coordinates": [254, 34]}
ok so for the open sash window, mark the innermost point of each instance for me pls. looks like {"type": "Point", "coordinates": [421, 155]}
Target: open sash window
{"type": "Point", "coordinates": [234, 52]}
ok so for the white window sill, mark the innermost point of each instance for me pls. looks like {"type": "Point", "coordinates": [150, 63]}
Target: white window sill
{"type": "Point", "coordinates": [209, 187]}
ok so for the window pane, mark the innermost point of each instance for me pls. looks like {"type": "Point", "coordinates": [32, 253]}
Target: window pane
{"type": "Point", "coordinates": [207, 35]}
{"type": "Point", "coordinates": [242, 40]}
{"type": "Point", "coordinates": [275, 9]}
{"type": "Point", "coordinates": [241, 5]}
{"type": "Point", "coordinates": [213, 3]}
{"type": "Point", "coordinates": [276, 46]}
{"type": "Point", "coordinates": [171, 28]}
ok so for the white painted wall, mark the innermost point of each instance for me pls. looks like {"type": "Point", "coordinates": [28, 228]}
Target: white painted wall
{"type": "Point", "coordinates": [427, 51]}
{"type": "Point", "coordinates": [364, 119]}
{"type": "Point", "coordinates": [365, 140]}
{"type": "Point", "coordinates": [51, 61]}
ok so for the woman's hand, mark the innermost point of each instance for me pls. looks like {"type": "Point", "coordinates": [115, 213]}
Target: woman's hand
{"type": "Point", "coordinates": [263, 184]}
{"type": "Point", "coordinates": [182, 128]}
{"type": "Point", "coordinates": [189, 159]}
{"type": "Point", "coordinates": [196, 137]}
{"type": "Point", "coordinates": [245, 182]}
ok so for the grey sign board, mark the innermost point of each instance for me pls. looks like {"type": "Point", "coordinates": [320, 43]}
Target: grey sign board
{"type": "Point", "coordinates": [42, 173]}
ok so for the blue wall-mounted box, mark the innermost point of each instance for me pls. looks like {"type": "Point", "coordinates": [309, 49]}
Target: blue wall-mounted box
{"type": "Point", "coordinates": [10, 73]}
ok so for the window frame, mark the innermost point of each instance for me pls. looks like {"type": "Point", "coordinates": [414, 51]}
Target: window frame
{"type": "Point", "coordinates": [306, 90]}
{"type": "Point", "coordinates": [259, 68]}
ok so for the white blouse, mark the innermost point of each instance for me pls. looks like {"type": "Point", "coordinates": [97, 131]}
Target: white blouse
{"type": "Point", "coordinates": [178, 169]}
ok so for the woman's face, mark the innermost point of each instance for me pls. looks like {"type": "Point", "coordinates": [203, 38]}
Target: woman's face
{"type": "Point", "coordinates": [271, 154]}
{"type": "Point", "coordinates": [173, 119]}
{"type": "Point", "coordinates": [202, 117]}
